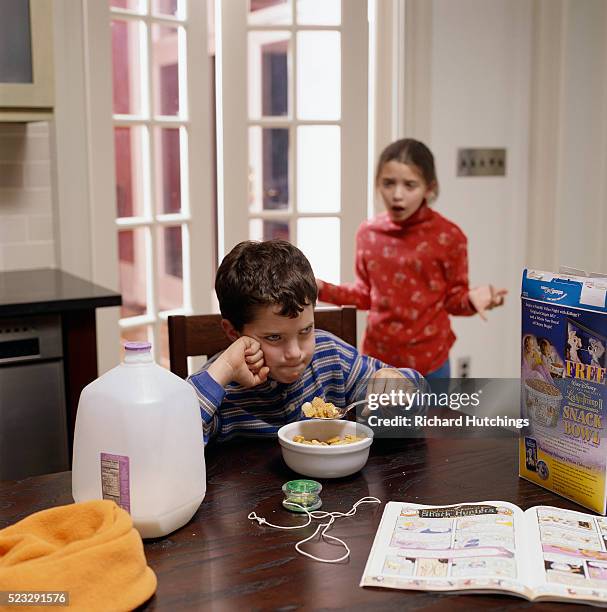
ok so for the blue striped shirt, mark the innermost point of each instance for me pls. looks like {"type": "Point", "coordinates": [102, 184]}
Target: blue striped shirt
{"type": "Point", "coordinates": [338, 373]}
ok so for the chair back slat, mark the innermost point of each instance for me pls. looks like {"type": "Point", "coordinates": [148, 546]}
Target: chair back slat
{"type": "Point", "coordinates": [195, 335]}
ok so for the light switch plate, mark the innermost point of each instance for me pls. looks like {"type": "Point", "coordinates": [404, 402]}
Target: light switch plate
{"type": "Point", "coordinates": [481, 162]}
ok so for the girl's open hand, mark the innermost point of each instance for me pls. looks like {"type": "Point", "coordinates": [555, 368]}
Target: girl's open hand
{"type": "Point", "coordinates": [485, 298]}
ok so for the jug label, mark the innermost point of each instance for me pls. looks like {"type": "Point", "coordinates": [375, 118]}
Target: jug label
{"type": "Point", "coordinates": [115, 483]}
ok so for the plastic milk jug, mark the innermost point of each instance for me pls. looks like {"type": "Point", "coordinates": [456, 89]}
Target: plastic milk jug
{"type": "Point", "coordinates": [138, 441]}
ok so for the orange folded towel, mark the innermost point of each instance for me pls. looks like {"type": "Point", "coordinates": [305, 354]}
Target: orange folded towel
{"type": "Point", "coordinates": [89, 549]}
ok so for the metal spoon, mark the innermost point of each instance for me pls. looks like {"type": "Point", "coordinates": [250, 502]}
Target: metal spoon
{"type": "Point", "coordinates": [341, 411]}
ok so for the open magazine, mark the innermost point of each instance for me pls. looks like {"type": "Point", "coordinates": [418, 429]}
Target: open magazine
{"type": "Point", "coordinates": [542, 554]}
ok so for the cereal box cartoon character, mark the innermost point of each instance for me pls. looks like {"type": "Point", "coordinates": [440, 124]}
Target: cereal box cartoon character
{"type": "Point", "coordinates": [596, 350]}
{"type": "Point", "coordinates": [574, 344]}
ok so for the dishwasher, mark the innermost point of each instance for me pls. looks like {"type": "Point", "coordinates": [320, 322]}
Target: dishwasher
{"type": "Point", "coordinates": [33, 423]}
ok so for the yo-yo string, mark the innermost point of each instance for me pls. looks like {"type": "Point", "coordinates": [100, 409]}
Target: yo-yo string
{"type": "Point", "coordinates": [319, 515]}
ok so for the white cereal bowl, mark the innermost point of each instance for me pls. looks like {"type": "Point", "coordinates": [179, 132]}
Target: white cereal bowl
{"type": "Point", "coordinates": [325, 461]}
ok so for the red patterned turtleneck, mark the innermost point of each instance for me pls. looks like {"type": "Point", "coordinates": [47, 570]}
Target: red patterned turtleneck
{"type": "Point", "coordinates": [410, 277]}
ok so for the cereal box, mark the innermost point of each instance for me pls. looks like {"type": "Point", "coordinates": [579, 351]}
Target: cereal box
{"type": "Point", "coordinates": [564, 385]}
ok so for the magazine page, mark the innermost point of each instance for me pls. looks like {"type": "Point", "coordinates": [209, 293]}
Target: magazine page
{"type": "Point", "coordinates": [570, 556]}
{"type": "Point", "coordinates": [468, 546]}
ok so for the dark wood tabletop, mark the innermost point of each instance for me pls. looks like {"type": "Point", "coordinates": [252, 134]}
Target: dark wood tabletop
{"type": "Point", "coordinates": [223, 561]}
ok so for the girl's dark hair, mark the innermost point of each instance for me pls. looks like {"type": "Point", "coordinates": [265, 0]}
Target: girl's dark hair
{"type": "Point", "coordinates": [413, 153]}
{"type": "Point", "coordinates": [267, 273]}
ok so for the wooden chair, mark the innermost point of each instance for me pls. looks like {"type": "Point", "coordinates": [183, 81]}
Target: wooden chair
{"type": "Point", "coordinates": [195, 335]}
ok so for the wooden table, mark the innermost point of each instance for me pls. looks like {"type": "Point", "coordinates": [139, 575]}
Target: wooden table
{"type": "Point", "coordinates": [223, 561]}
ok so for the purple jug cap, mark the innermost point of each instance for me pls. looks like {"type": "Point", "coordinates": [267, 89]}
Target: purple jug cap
{"type": "Point", "coordinates": [137, 346]}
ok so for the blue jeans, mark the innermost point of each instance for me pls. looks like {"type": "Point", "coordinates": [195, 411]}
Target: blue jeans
{"type": "Point", "coordinates": [439, 379]}
{"type": "Point", "coordinates": [443, 372]}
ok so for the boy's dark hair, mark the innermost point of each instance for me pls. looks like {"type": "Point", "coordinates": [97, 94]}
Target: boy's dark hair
{"type": "Point", "coordinates": [267, 273]}
{"type": "Point", "coordinates": [413, 153]}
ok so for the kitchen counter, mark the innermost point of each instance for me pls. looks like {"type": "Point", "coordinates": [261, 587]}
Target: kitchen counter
{"type": "Point", "coordinates": [34, 304]}
{"type": "Point", "coordinates": [45, 291]}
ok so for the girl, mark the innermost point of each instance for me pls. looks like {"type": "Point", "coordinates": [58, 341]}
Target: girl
{"type": "Point", "coordinates": [550, 358]}
{"type": "Point", "coordinates": [411, 268]}
{"type": "Point", "coordinates": [533, 365]}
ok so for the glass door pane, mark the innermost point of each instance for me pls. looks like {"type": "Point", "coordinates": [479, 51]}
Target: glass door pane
{"type": "Point", "coordinates": [269, 168]}
{"type": "Point", "coordinates": [269, 230]}
{"type": "Point", "coordinates": [129, 156]}
{"type": "Point", "coordinates": [269, 12]}
{"type": "Point", "coordinates": [165, 70]}
{"type": "Point", "coordinates": [319, 12]}
{"type": "Point", "coordinates": [318, 168]}
{"type": "Point", "coordinates": [137, 6]}
{"type": "Point", "coordinates": [268, 69]}
{"type": "Point", "coordinates": [319, 75]}
{"type": "Point", "coordinates": [318, 238]}
{"type": "Point", "coordinates": [133, 248]}
{"type": "Point", "coordinates": [167, 148]}
{"type": "Point", "coordinates": [128, 52]}
{"type": "Point", "coordinates": [169, 267]}
{"type": "Point", "coordinates": [166, 7]}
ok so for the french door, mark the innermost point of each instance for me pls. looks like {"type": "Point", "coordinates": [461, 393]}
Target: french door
{"type": "Point", "coordinates": [162, 157]}
{"type": "Point", "coordinates": [293, 92]}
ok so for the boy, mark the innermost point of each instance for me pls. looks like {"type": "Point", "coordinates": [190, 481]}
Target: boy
{"type": "Point", "coordinates": [277, 360]}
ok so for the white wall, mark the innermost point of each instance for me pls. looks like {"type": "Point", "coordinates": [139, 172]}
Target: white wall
{"type": "Point", "coordinates": [480, 92]}
{"type": "Point", "coordinates": [568, 178]}
{"type": "Point", "coordinates": [531, 76]}
{"type": "Point", "coordinates": [582, 206]}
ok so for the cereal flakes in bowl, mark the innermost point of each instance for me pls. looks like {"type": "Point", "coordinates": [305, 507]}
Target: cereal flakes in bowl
{"type": "Point", "coordinates": [325, 448]}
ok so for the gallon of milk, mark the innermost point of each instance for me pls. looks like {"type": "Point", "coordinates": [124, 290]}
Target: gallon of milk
{"type": "Point", "coordinates": [138, 441]}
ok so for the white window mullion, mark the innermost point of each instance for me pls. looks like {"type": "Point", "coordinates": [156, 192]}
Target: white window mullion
{"type": "Point", "coordinates": [166, 122]}
{"type": "Point", "coordinates": [294, 124]}
{"type": "Point", "coordinates": [285, 215]}
{"type": "Point", "coordinates": [152, 181]}
{"type": "Point", "coordinates": [183, 68]}
{"type": "Point", "coordinates": [147, 173]}
{"type": "Point", "coordinates": [186, 215]}
{"type": "Point", "coordinates": [136, 321]}
{"type": "Point", "coordinates": [292, 28]}
{"type": "Point", "coordinates": [187, 269]}
{"type": "Point", "coordinates": [146, 56]}
{"type": "Point", "coordinates": [133, 222]}
{"type": "Point", "coordinates": [284, 122]}
{"type": "Point", "coordinates": [172, 219]}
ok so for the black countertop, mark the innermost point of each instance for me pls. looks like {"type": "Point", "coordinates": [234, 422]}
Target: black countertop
{"type": "Point", "coordinates": [26, 292]}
